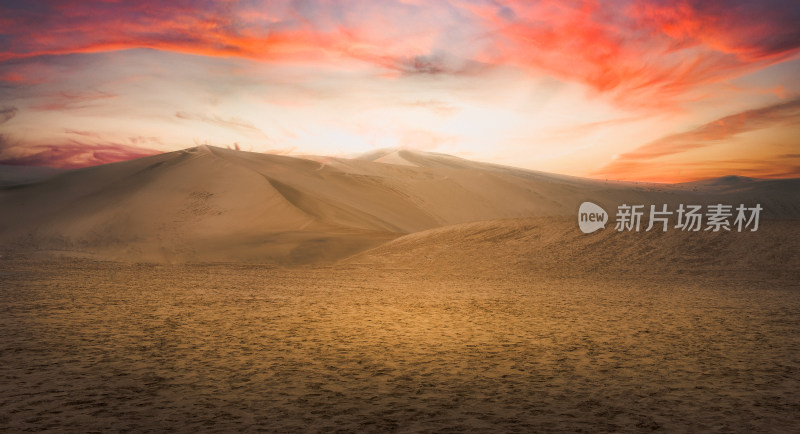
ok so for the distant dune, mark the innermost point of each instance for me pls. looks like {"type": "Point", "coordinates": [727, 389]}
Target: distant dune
{"type": "Point", "coordinates": [211, 204]}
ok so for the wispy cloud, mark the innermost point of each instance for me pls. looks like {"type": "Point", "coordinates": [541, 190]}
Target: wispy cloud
{"type": "Point", "coordinates": [234, 123]}
{"type": "Point", "coordinates": [70, 100]}
{"type": "Point", "coordinates": [91, 134]}
{"type": "Point", "coordinates": [721, 129]}
{"type": "Point", "coordinates": [436, 106]}
{"type": "Point", "coordinates": [6, 113]}
{"type": "Point", "coordinates": [635, 162]}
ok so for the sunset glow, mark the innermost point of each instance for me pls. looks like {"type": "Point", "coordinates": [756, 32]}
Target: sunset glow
{"type": "Point", "coordinates": [663, 91]}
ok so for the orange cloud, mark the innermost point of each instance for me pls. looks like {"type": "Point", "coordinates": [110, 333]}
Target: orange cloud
{"type": "Point", "coordinates": [639, 163]}
{"type": "Point", "coordinates": [775, 167]}
{"type": "Point", "coordinates": [202, 28]}
{"type": "Point", "coordinates": [648, 53]}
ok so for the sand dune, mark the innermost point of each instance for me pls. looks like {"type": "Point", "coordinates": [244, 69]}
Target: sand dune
{"type": "Point", "coordinates": [552, 247]}
{"type": "Point", "coordinates": [212, 204]}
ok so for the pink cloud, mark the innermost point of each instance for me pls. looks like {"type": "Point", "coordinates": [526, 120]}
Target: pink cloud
{"type": "Point", "coordinates": [73, 100]}
{"type": "Point", "coordinates": [649, 53]}
{"type": "Point", "coordinates": [72, 155]}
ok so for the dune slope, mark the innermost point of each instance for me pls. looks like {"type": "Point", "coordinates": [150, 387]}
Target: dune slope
{"type": "Point", "coordinates": [551, 246]}
{"type": "Point", "coordinates": [212, 204]}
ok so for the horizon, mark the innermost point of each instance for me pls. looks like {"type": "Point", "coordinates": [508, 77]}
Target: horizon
{"type": "Point", "coordinates": [628, 90]}
{"type": "Point", "coordinates": [358, 156]}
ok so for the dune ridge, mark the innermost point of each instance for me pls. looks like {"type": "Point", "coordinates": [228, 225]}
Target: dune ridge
{"type": "Point", "coordinates": [211, 204]}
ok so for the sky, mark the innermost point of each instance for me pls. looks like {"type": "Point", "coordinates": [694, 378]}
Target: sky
{"type": "Point", "coordinates": [662, 91]}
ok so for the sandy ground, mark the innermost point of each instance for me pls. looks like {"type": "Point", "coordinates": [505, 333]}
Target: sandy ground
{"type": "Point", "coordinates": [113, 347]}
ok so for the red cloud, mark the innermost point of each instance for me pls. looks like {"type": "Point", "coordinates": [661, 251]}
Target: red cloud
{"type": "Point", "coordinates": [210, 29]}
{"type": "Point", "coordinates": [648, 53]}
{"type": "Point", "coordinates": [751, 31]}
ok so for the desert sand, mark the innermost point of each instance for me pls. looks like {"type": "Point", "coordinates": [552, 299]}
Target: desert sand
{"type": "Point", "coordinates": [123, 347]}
{"type": "Point", "coordinates": [218, 290]}
{"type": "Point", "coordinates": [211, 204]}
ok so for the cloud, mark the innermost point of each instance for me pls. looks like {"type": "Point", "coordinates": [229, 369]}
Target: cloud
{"type": "Point", "coordinates": [12, 77]}
{"type": "Point", "coordinates": [70, 155]}
{"type": "Point", "coordinates": [644, 52]}
{"type": "Point", "coordinates": [82, 133]}
{"type": "Point", "coordinates": [749, 30]}
{"type": "Point", "coordinates": [219, 29]}
{"type": "Point", "coordinates": [576, 131]}
{"type": "Point", "coordinates": [233, 123]}
{"type": "Point", "coordinates": [70, 100]}
{"type": "Point", "coordinates": [439, 107]}
{"type": "Point", "coordinates": [435, 64]}
{"type": "Point", "coordinates": [718, 130]}
{"type": "Point", "coordinates": [772, 167]}
{"type": "Point", "coordinates": [639, 161]}
{"type": "Point", "coordinates": [6, 113]}
{"type": "Point", "coordinates": [138, 140]}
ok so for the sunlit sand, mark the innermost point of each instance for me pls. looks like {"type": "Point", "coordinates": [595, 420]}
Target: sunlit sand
{"type": "Point", "coordinates": [97, 346]}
